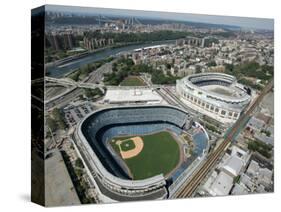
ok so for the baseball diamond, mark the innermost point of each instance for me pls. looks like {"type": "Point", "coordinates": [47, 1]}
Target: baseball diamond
{"type": "Point", "coordinates": [160, 154]}
{"type": "Point", "coordinates": [129, 148]}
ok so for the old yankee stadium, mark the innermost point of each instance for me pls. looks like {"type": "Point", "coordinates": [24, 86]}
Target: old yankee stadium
{"type": "Point", "coordinates": [162, 145]}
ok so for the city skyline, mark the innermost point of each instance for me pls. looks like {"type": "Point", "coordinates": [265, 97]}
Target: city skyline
{"type": "Point", "coordinates": [243, 22]}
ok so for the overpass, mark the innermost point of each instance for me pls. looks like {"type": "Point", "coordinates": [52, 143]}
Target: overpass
{"type": "Point", "coordinates": [70, 82]}
{"type": "Point", "coordinates": [82, 84]}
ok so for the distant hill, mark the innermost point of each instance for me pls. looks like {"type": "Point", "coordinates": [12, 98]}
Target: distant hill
{"type": "Point", "coordinates": [86, 20]}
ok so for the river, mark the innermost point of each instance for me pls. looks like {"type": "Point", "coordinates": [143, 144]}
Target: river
{"type": "Point", "coordinates": [68, 67]}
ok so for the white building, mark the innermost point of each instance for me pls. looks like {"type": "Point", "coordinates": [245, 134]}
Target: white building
{"type": "Point", "coordinates": [132, 96]}
{"type": "Point", "coordinates": [262, 175]}
{"type": "Point", "coordinates": [222, 185]}
{"type": "Point", "coordinates": [230, 167]}
{"type": "Point", "coordinates": [216, 95]}
{"type": "Point", "coordinates": [233, 166]}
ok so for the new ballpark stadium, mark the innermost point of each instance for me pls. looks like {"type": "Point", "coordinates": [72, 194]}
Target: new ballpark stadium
{"type": "Point", "coordinates": [140, 152]}
{"type": "Point", "coordinates": [216, 95]}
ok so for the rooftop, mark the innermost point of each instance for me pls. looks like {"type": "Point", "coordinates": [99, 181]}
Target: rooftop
{"type": "Point", "coordinates": [234, 165]}
{"type": "Point", "coordinates": [132, 95]}
{"type": "Point", "coordinates": [222, 185]}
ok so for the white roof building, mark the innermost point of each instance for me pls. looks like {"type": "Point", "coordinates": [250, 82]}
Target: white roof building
{"type": "Point", "coordinates": [239, 189]}
{"type": "Point", "coordinates": [119, 96]}
{"type": "Point", "coordinates": [262, 175]}
{"type": "Point", "coordinates": [253, 168]}
{"type": "Point", "coordinates": [256, 123]}
{"type": "Point", "coordinates": [230, 166]}
{"type": "Point", "coordinates": [265, 176]}
{"type": "Point", "coordinates": [222, 185]}
{"type": "Point", "coordinates": [233, 166]}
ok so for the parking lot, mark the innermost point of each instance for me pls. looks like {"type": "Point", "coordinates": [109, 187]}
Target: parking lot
{"type": "Point", "coordinates": [73, 114]}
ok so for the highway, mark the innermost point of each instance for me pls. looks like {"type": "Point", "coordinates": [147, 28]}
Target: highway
{"type": "Point", "coordinates": [69, 82]}
{"type": "Point", "coordinates": [191, 185]}
{"type": "Point", "coordinates": [97, 75]}
{"type": "Point", "coordinates": [63, 99]}
{"type": "Point", "coordinates": [72, 92]}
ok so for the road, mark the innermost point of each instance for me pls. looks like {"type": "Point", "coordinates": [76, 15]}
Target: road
{"type": "Point", "coordinates": [191, 185]}
{"type": "Point", "coordinates": [68, 95]}
{"type": "Point", "coordinates": [97, 76]}
{"type": "Point", "coordinates": [65, 99]}
{"type": "Point", "coordinates": [69, 82]}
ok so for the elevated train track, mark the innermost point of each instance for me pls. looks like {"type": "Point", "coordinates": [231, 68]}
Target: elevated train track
{"type": "Point", "coordinates": [173, 99]}
{"type": "Point", "coordinates": [190, 187]}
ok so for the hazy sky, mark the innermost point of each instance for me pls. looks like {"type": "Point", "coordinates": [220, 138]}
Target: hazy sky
{"type": "Point", "coordinates": [258, 23]}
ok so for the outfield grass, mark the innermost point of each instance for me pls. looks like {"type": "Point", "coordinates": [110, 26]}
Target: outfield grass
{"type": "Point", "coordinates": [160, 154]}
{"type": "Point", "coordinates": [132, 81]}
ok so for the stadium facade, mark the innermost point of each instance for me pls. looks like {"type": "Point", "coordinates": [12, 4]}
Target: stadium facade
{"type": "Point", "coordinates": [216, 95]}
{"type": "Point", "coordinates": [98, 128]}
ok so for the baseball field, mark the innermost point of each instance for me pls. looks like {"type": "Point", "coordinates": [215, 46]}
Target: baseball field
{"type": "Point", "coordinates": [148, 155]}
{"type": "Point", "coordinates": [132, 81]}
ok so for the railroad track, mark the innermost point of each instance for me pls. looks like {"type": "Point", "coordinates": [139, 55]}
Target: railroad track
{"type": "Point", "coordinates": [167, 99]}
{"type": "Point", "coordinates": [174, 100]}
{"type": "Point", "coordinates": [191, 186]}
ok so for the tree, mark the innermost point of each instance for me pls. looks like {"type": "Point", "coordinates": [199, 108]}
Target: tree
{"type": "Point", "coordinates": [52, 124]}
{"type": "Point", "coordinates": [168, 66]}
{"type": "Point", "coordinates": [211, 63]}
{"type": "Point", "coordinates": [262, 148]}
{"type": "Point", "coordinates": [197, 69]}
{"type": "Point", "coordinates": [79, 163]}
{"type": "Point", "coordinates": [56, 113]}
{"type": "Point", "coordinates": [90, 93]}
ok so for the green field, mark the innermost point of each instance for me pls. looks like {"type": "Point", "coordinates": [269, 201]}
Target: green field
{"type": "Point", "coordinates": [160, 154]}
{"type": "Point", "coordinates": [132, 81]}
